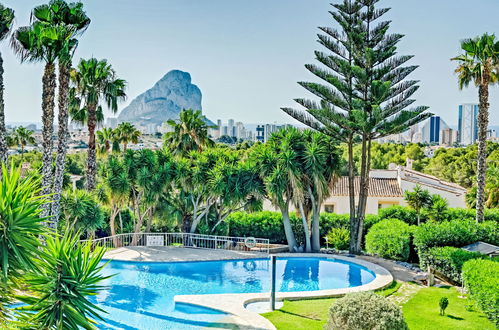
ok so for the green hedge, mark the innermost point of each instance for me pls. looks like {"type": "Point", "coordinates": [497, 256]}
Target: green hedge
{"type": "Point", "coordinates": [448, 261]}
{"type": "Point", "coordinates": [338, 238]}
{"type": "Point", "coordinates": [390, 238]}
{"type": "Point", "coordinates": [401, 213]}
{"type": "Point", "coordinates": [481, 279]}
{"type": "Point", "coordinates": [456, 233]}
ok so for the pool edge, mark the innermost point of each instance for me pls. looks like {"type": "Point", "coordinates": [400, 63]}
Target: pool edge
{"type": "Point", "coordinates": [234, 303]}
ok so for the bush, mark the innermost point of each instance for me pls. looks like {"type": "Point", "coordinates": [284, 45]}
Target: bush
{"type": "Point", "coordinates": [481, 279]}
{"type": "Point", "coordinates": [456, 233]}
{"type": "Point", "coordinates": [447, 260]}
{"type": "Point", "coordinates": [339, 238]}
{"type": "Point", "coordinates": [389, 239]}
{"type": "Point", "coordinates": [402, 213]}
{"type": "Point", "coordinates": [365, 310]}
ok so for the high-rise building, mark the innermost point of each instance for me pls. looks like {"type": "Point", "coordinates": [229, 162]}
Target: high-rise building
{"type": "Point", "coordinates": [468, 123]}
{"type": "Point", "coordinates": [448, 137]}
{"type": "Point", "coordinates": [230, 128]}
{"type": "Point", "coordinates": [432, 130]}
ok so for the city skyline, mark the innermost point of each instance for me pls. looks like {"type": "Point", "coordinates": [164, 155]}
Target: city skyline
{"type": "Point", "coordinates": [226, 60]}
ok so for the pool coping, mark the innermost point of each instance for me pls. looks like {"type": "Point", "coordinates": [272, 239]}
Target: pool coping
{"type": "Point", "coordinates": [235, 303]}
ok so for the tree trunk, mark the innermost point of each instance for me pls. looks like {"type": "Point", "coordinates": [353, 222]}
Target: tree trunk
{"type": "Point", "coordinates": [351, 194]}
{"type": "Point", "coordinates": [48, 96]}
{"type": "Point", "coordinates": [308, 247]}
{"type": "Point", "coordinates": [316, 235]}
{"type": "Point", "coordinates": [483, 123]}
{"type": "Point", "coordinates": [91, 161]}
{"type": "Point", "coordinates": [3, 131]}
{"type": "Point", "coordinates": [114, 212]}
{"type": "Point", "coordinates": [63, 136]}
{"type": "Point", "coordinates": [288, 230]}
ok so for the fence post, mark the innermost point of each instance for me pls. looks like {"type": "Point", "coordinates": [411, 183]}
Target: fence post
{"type": "Point", "coordinates": [272, 282]}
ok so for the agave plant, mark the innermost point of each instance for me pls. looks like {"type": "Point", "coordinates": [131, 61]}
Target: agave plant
{"type": "Point", "coordinates": [69, 273]}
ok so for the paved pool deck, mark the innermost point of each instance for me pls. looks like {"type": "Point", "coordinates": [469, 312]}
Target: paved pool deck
{"type": "Point", "coordinates": [239, 317]}
{"type": "Point", "coordinates": [177, 254]}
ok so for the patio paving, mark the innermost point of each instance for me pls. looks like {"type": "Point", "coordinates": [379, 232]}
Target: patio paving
{"type": "Point", "coordinates": [177, 254]}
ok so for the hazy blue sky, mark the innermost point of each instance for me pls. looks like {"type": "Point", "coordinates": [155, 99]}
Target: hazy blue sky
{"type": "Point", "coordinates": [246, 56]}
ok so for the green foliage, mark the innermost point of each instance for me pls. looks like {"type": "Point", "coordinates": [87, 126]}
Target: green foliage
{"type": "Point", "coordinates": [443, 303]}
{"type": "Point", "coordinates": [456, 233]}
{"type": "Point", "coordinates": [418, 199]}
{"type": "Point", "coordinates": [338, 238]}
{"type": "Point", "coordinates": [481, 279]}
{"type": "Point", "coordinates": [390, 239]}
{"type": "Point", "coordinates": [447, 260]}
{"type": "Point", "coordinates": [365, 310]}
{"type": "Point", "coordinates": [82, 212]}
{"type": "Point", "coordinates": [405, 214]}
{"type": "Point", "coordinates": [69, 273]}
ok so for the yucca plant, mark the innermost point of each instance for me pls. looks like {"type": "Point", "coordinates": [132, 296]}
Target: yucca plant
{"type": "Point", "coordinates": [69, 273]}
{"type": "Point", "coordinates": [20, 226]}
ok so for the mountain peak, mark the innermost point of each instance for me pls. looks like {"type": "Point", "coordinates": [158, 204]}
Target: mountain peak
{"type": "Point", "coordinates": [173, 93]}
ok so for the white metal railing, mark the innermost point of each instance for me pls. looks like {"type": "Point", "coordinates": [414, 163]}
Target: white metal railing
{"type": "Point", "coordinates": [198, 241]}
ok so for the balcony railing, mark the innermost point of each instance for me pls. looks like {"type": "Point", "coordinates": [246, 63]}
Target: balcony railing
{"type": "Point", "coordinates": [187, 240]}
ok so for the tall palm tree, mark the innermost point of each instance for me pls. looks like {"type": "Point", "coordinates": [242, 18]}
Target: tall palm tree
{"type": "Point", "coordinates": [42, 42]}
{"type": "Point", "coordinates": [480, 64]}
{"type": "Point", "coordinates": [105, 139]}
{"type": "Point", "coordinates": [22, 137]}
{"type": "Point", "coordinates": [6, 21]}
{"type": "Point", "coordinates": [126, 133]}
{"type": "Point", "coordinates": [189, 133]}
{"type": "Point", "coordinates": [73, 17]}
{"type": "Point", "coordinates": [95, 81]}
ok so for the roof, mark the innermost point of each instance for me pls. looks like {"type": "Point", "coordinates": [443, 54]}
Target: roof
{"type": "Point", "coordinates": [378, 187]}
{"type": "Point", "coordinates": [439, 183]}
{"type": "Point", "coordinates": [483, 248]}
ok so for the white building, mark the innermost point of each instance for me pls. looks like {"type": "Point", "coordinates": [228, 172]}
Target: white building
{"type": "Point", "coordinates": [468, 123]}
{"type": "Point", "coordinates": [387, 188]}
{"type": "Point", "coordinates": [432, 130]}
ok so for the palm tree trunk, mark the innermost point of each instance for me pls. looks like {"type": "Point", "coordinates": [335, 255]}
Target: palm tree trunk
{"type": "Point", "coordinates": [63, 135]}
{"type": "Point", "coordinates": [483, 123]}
{"type": "Point", "coordinates": [351, 194]}
{"type": "Point", "coordinates": [3, 131]}
{"type": "Point", "coordinates": [288, 230]}
{"type": "Point", "coordinates": [48, 95]}
{"type": "Point", "coordinates": [22, 154]}
{"type": "Point", "coordinates": [316, 239]}
{"type": "Point", "coordinates": [308, 246]}
{"type": "Point", "coordinates": [91, 159]}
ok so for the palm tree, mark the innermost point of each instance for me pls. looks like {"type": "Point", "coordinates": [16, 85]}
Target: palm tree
{"type": "Point", "coordinates": [73, 17]}
{"type": "Point", "coordinates": [418, 199]}
{"type": "Point", "coordinates": [126, 133]}
{"type": "Point", "coordinates": [44, 42]}
{"type": "Point", "coordinates": [95, 81]}
{"type": "Point", "coordinates": [480, 64]}
{"type": "Point", "coordinates": [6, 21]}
{"type": "Point", "coordinates": [22, 137]}
{"type": "Point", "coordinates": [105, 139]}
{"type": "Point", "coordinates": [190, 133]}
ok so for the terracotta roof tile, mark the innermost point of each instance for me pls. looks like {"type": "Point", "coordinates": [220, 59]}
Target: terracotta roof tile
{"type": "Point", "coordinates": [378, 187]}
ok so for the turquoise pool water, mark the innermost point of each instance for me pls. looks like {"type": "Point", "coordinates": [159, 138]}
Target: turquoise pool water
{"type": "Point", "coordinates": [140, 295]}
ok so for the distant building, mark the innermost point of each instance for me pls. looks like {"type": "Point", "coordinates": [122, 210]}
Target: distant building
{"type": "Point", "coordinates": [449, 137]}
{"type": "Point", "coordinates": [468, 123]}
{"type": "Point", "coordinates": [263, 132]}
{"type": "Point", "coordinates": [230, 128]}
{"type": "Point", "coordinates": [432, 130]}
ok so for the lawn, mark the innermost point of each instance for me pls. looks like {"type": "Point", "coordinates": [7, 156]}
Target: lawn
{"type": "Point", "coordinates": [421, 312]}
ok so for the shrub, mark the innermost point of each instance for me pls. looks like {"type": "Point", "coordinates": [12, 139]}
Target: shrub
{"type": "Point", "coordinates": [447, 260]}
{"type": "Point", "coordinates": [339, 238]}
{"type": "Point", "coordinates": [481, 280]}
{"type": "Point", "coordinates": [365, 310]}
{"type": "Point", "coordinates": [443, 303]}
{"type": "Point", "coordinates": [456, 233]}
{"type": "Point", "coordinates": [390, 239]}
{"type": "Point", "coordinates": [332, 220]}
{"type": "Point", "coordinates": [402, 213]}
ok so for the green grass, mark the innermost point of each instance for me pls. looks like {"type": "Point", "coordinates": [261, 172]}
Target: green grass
{"type": "Point", "coordinates": [311, 314]}
{"type": "Point", "coordinates": [422, 311]}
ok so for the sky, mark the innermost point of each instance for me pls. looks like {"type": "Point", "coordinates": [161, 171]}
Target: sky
{"type": "Point", "coordinates": [247, 56]}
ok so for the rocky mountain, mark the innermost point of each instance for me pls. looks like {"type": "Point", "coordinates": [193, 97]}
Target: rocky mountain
{"type": "Point", "coordinates": [170, 95]}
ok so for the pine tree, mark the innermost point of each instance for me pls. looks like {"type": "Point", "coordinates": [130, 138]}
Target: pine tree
{"type": "Point", "coordinates": [364, 95]}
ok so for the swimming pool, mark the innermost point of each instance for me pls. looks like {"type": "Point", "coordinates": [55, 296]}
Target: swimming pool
{"type": "Point", "coordinates": [140, 295]}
